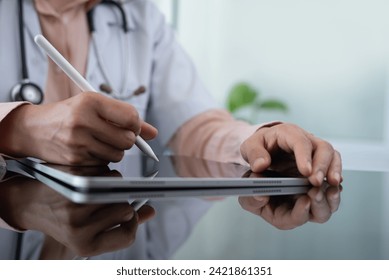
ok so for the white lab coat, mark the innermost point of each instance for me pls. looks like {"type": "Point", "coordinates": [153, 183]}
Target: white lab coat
{"type": "Point", "coordinates": [174, 95]}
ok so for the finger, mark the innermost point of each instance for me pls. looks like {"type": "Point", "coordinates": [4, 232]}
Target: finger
{"type": "Point", "coordinates": [254, 152]}
{"type": "Point", "coordinates": [253, 204]}
{"type": "Point", "coordinates": [322, 159]}
{"type": "Point", "coordinates": [267, 213]}
{"type": "Point", "coordinates": [104, 152]}
{"type": "Point", "coordinates": [301, 211]}
{"type": "Point", "coordinates": [112, 135]}
{"type": "Point", "coordinates": [333, 198]}
{"type": "Point", "coordinates": [120, 113]}
{"type": "Point", "coordinates": [302, 149]}
{"type": "Point", "coordinates": [286, 218]}
{"type": "Point", "coordinates": [148, 131]}
{"type": "Point", "coordinates": [145, 213]}
{"type": "Point", "coordinates": [320, 209]}
{"type": "Point", "coordinates": [118, 238]}
{"type": "Point", "coordinates": [291, 139]}
{"type": "Point", "coordinates": [334, 176]}
{"type": "Point", "coordinates": [109, 216]}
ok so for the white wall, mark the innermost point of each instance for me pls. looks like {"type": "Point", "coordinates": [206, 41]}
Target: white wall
{"type": "Point", "coordinates": [326, 58]}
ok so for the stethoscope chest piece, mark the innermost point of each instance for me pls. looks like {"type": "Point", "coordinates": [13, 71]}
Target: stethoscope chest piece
{"type": "Point", "coordinates": [27, 91]}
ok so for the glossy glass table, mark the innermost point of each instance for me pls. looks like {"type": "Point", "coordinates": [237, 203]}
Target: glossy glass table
{"type": "Point", "coordinates": [198, 228]}
{"type": "Point", "coordinates": [358, 230]}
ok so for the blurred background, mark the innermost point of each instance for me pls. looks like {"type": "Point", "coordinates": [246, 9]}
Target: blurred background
{"type": "Point", "coordinates": [326, 60]}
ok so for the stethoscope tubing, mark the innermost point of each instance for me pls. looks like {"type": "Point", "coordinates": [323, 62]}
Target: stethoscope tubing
{"type": "Point", "coordinates": [19, 94]}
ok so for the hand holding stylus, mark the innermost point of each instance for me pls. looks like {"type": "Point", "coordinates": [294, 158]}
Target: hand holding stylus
{"type": "Point", "coordinates": [82, 83]}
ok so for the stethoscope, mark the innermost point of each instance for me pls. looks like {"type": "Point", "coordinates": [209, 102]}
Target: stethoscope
{"type": "Point", "coordinates": [31, 92]}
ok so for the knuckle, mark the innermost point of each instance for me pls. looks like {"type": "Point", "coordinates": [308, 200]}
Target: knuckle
{"type": "Point", "coordinates": [288, 127]}
{"type": "Point", "coordinates": [325, 146]}
{"type": "Point", "coordinates": [133, 120]}
{"type": "Point", "coordinates": [74, 122]}
{"type": "Point", "coordinates": [85, 99]}
{"type": "Point", "coordinates": [133, 114]}
{"type": "Point", "coordinates": [131, 139]}
{"type": "Point", "coordinates": [244, 204]}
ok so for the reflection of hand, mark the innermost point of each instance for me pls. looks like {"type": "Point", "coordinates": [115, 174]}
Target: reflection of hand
{"type": "Point", "coordinates": [87, 129]}
{"type": "Point", "coordinates": [86, 230]}
{"type": "Point", "coordinates": [288, 212]}
{"type": "Point", "coordinates": [315, 158]}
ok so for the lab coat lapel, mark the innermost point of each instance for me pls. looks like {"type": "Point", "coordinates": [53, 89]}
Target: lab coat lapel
{"type": "Point", "coordinates": [36, 57]}
{"type": "Point", "coordinates": [31, 21]}
{"type": "Point", "coordinates": [103, 17]}
{"type": "Point", "coordinates": [103, 35]}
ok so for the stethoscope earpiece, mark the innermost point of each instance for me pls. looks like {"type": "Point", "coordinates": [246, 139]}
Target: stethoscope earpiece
{"type": "Point", "coordinates": [27, 91]}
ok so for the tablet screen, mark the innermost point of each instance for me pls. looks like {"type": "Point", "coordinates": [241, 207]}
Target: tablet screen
{"type": "Point", "coordinates": [174, 176]}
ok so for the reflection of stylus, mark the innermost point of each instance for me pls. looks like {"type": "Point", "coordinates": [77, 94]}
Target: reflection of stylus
{"type": "Point", "coordinates": [151, 176]}
{"type": "Point", "coordinates": [137, 204]}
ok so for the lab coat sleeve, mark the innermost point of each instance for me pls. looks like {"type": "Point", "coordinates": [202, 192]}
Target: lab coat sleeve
{"type": "Point", "coordinates": [177, 93]}
{"type": "Point", "coordinates": [8, 107]}
{"type": "Point", "coordinates": [214, 135]}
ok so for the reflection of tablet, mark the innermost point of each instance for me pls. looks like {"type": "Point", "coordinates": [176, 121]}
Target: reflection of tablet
{"type": "Point", "coordinates": [174, 176]}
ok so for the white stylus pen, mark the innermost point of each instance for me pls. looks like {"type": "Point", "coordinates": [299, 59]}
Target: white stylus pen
{"type": "Point", "coordinates": [82, 83]}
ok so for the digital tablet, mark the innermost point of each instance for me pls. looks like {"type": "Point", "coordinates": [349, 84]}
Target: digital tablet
{"type": "Point", "coordinates": [139, 177]}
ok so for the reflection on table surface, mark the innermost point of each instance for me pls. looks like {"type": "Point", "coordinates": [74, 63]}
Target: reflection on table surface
{"type": "Point", "coordinates": [194, 228]}
{"type": "Point", "coordinates": [358, 230]}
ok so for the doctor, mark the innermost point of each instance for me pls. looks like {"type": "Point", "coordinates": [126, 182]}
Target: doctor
{"type": "Point", "coordinates": [119, 55]}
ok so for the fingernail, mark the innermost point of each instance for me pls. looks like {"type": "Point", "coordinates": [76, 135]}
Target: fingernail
{"type": "Point", "coordinates": [129, 216]}
{"type": "Point", "coordinates": [259, 198]}
{"type": "Point", "coordinates": [258, 163]}
{"type": "Point", "coordinates": [309, 166]}
{"type": "Point", "coordinates": [335, 196]}
{"type": "Point", "coordinates": [320, 176]}
{"type": "Point", "coordinates": [319, 197]}
{"type": "Point", "coordinates": [337, 178]}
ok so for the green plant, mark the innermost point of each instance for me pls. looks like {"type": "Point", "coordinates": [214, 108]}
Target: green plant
{"type": "Point", "coordinates": [244, 96]}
